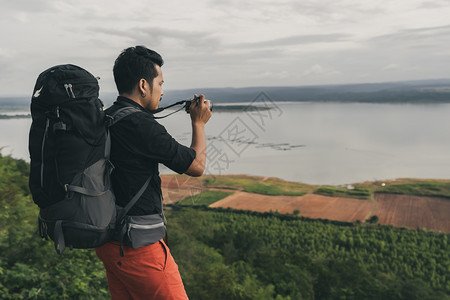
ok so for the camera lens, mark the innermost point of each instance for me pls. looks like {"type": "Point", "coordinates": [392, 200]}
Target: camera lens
{"type": "Point", "coordinates": [189, 102]}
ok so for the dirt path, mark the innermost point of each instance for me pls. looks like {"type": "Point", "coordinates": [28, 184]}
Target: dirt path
{"type": "Point", "coordinates": [374, 206]}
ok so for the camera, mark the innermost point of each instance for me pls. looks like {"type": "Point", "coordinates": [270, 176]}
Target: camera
{"type": "Point", "coordinates": [189, 101]}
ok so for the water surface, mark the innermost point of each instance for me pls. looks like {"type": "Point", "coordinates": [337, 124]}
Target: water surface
{"type": "Point", "coordinates": [318, 143]}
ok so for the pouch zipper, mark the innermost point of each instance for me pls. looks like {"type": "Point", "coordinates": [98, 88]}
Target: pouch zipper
{"type": "Point", "coordinates": [150, 226]}
{"type": "Point", "coordinates": [138, 226]}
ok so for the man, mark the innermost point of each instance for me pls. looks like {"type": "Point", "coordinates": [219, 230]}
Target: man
{"type": "Point", "coordinates": [138, 144]}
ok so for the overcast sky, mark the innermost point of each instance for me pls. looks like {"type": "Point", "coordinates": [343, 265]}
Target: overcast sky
{"type": "Point", "coordinates": [229, 43]}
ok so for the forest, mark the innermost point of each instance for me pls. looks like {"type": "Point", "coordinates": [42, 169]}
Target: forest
{"type": "Point", "coordinates": [229, 254]}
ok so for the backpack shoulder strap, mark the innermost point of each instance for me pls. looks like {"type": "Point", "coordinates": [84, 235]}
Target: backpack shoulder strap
{"type": "Point", "coordinates": [122, 113]}
{"type": "Point", "coordinates": [113, 119]}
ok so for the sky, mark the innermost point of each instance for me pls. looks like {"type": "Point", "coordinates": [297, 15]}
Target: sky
{"type": "Point", "coordinates": [229, 43]}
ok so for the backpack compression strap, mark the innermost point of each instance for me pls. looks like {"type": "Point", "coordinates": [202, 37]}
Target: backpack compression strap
{"type": "Point", "coordinates": [122, 213]}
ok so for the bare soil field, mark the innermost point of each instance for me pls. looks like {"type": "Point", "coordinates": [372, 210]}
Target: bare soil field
{"type": "Point", "coordinates": [432, 213]}
{"type": "Point", "coordinates": [309, 205]}
{"type": "Point", "coordinates": [176, 188]}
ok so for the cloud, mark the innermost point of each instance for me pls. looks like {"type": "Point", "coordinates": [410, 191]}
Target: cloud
{"type": "Point", "coordinates": [27, 6]}
{"type": "Point", "coordinates": [5, 53]}
{"type": "Point", "coordinates": [230, 42]}
{"type": "Point", "coordinates": [314, 70]}
{"type": "Point", "coordinates": [434, 4]}
{"type": "Point", "coordinates": [274, 75]}
{"type": "Point", "coordinates": [330, 11]}
{"type": "Point", "coordinates": [416, 36]}
{"type": "Point", "coordinates": [391, 67]}
{"type": "Point", "coordinates": [324, 11]}
{"type": "Point", "coordinates": [157, 35]}
{"type": "Point", "coordinates": [6, 61]}
{"type": "Point", "coordinates": [24, 10]}
{"type": "Point", "coordinates": [298, 40]}
{"type": "Point", "coordinates": [318, 70]}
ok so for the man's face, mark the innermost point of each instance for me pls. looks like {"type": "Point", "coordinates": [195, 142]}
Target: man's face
{"type": "Point", "coordinates": [157, 92]}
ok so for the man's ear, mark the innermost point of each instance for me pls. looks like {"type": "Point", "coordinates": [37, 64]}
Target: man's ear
{"type": "Point", "coordinates": [141, 86]}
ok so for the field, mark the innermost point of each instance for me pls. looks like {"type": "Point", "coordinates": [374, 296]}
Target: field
{"type": "Point", "coordinates": [413, 211]}
{"type": "Point", "coordinates": [310, 205]}
{"type": "Point", "coordinates": [176, 188]}
{"type": "Point", "coordinates": [270, 194]}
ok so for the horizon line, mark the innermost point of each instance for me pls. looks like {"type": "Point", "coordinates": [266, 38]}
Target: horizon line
{"type": "Point", "coordinates": [272, 86]}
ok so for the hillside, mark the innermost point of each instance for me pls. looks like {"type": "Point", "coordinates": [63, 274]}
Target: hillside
{"type": "Point", "coordinates": [234, 254]}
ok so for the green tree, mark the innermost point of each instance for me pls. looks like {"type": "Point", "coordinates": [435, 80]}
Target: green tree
{"type": "Point", "coordinates": [29, 266]}
{"type": "Point", "coordinates": [372, 220]}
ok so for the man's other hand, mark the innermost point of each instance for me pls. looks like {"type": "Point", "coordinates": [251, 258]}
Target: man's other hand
{"type": "Point", "coordinates": [199, 110]}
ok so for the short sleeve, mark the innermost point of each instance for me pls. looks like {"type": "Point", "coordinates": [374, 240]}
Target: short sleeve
{"type": "Point", "coordinates": [160, 146]}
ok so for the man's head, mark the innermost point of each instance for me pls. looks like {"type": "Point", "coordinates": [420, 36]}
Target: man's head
{"type": "Point", "coordinates": [138, 75]}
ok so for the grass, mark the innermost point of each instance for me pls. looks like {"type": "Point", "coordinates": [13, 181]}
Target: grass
{"type": "Point", "coordinates": [264, 189]}
{"type": "Point", "coordinates": [234, 182]}
{"type": "Point", "coordinates": [205, 198]}
{"type": "Point", "coordinates": [357, 192]}
{"type": "Point", "coordinates": [432, 188]}
{"type": "Point", "coordinates": [288, 186]}
{"type": "Point", "coordinates": [404, 186]}
{"type": "Point", "coordinates": [250, 184]}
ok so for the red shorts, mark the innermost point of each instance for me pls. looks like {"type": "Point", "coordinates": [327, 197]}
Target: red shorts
{"type": "Point", "coordinates": [148, 272]}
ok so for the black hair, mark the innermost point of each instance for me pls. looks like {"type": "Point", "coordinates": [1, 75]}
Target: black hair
{"type": "Point", "coordinates": [132, 65]}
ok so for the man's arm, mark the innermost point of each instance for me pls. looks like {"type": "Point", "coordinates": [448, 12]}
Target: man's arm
{"type": "Point", "coordinates": [200, 114]}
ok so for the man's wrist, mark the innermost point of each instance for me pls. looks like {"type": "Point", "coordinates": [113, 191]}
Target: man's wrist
{"type": "Point", "coordinates": [198, 125]}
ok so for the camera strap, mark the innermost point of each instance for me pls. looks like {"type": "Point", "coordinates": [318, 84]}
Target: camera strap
{"type": "Point", "coordinates": [181, 102]}
{"type": "Point", "coordinates": [172, 105]}
{"type": "Point", "coordinates": [156, 117]}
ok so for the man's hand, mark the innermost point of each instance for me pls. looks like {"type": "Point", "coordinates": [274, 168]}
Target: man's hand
{"type": "Point", "coordinates": [200, 114]}
{"type": "Point", "coordinates": [199, 110]}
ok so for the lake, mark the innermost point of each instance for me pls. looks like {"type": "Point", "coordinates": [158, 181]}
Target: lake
{"type": "Point", "coordinates": [316, 143]}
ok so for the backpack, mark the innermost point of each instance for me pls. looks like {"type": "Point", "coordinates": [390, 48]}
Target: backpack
{"type": "Point", "coordinates": [69, 149]}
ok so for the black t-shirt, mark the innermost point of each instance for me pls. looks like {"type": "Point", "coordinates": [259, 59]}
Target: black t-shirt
{"type": "Point", "coordinates": [138, 144]}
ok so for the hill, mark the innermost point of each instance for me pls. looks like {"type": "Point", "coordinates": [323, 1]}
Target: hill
{"type": "Point", "coordinates": [233, 254]}
{"type": "Point", "coordinates": [424, 91]}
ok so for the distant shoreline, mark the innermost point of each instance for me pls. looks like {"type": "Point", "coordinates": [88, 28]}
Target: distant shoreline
{"type": "Point", "coordinates": [233, 108]}
{"type": "Point", "coordinates": [16, 116]}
